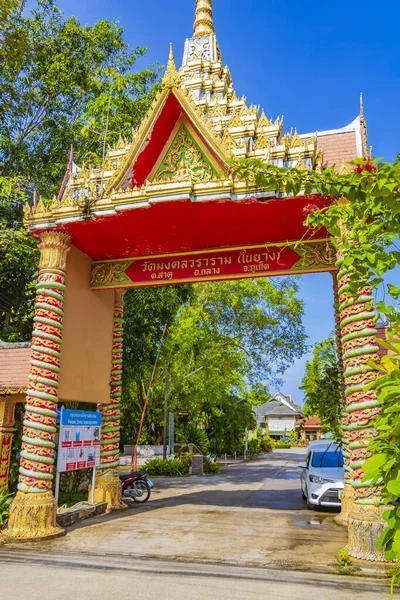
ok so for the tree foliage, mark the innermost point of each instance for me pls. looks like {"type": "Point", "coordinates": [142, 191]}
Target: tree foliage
{"type": "Point", "coordinates": [227, 334]}
{"type": "Point", "coordinates": [321, 384]}
{"type": "Point", "coordinates": [59, 81]}
{"type": "Point", "coordinates": [61, 85]}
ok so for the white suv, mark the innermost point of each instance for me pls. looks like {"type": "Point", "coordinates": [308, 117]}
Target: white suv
{"type": "Point", "coordinates": [322, 475]}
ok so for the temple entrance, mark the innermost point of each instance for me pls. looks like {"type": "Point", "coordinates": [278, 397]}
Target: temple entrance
{"type": "Point", "coordinates": [165, 208]}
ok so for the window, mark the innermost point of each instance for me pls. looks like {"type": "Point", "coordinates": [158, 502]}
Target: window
{"type": "Point", "coordinates": [327, 459]}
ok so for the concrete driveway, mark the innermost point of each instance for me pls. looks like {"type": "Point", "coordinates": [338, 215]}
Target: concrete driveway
{"type": "Point", "coordinates": [245, 533]}
{"type": "Point", "coordinates": [251, 514]}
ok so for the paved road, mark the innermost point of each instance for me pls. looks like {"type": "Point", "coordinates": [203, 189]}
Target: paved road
{"type": "Point", "coordinates": [36, 576]}
{"type": "Point", "coordinates": [243, 533]}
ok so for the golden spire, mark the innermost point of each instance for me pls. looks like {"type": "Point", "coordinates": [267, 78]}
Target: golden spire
{"type": "Point", "coordinates": [203, 22]}
{"type": "Point", "coordinates": [363, 127]}
{"type": "Point", "coordinates": [171, 76]}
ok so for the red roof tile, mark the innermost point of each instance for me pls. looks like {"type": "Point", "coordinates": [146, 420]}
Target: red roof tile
{"type": "Point", "coordinates": [312, 422]}
{"type": "Point", "coordinates": [338, 147]}
{"type": "Point", "coordinates": [14, 367]}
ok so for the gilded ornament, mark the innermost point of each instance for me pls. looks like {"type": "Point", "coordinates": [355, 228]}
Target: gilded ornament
{"type": "Point", "coordinates": [262, 142]}
{"type": "Point", "coordinates": [54, 247]}
{"type": "Point", "coordinates": [314, 255]}
{"type": "Point", "coordinates": [296, 141]}
{"type": "Point", "coordinates": [41, 208]}
{"type": "Point", "coordinates": [235, 121]}
{"type": "Point", "coordinates": [345, 168]}
{"type": "Point", "coordinates": [301, 165]}
{"type": "Point", "coordinates": [318, 167]}
{"type": "Point", "coordinates": [227, 142]}
{"type": "Point", "coordinates": [105, 273]}
{"type": "Point", "coordinates": [33, 516]}
{"type": "Point", "coordinates": [184, 161]}
{"type": "Point", "coordinates": [27, 212]}
{"type": "Point", "coordinates": [264, 121]}
{"type": "Point", "coordinates": [171, 77]}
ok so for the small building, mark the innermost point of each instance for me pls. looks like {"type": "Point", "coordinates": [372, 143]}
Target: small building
{"type": "Point", "coordinates": [14, 372]}
{"type": "Point", "coordinates": [310, 429]}
{"type": "Point", "coordinates": [278, 416]}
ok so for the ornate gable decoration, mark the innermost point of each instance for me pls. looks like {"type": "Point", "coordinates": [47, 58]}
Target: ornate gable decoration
{"type": "Point", "coordinates": [185, 161]}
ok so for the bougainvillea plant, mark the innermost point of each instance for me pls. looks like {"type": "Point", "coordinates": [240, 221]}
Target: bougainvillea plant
{"type": "Point", "coordinates": [363, 217]}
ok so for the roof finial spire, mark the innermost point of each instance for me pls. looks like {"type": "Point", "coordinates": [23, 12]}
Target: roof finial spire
{"type": "Point", "coordinates": [171, 76]}
{"type": "Point", "coordinates": [203, 22]}
{"type": "Point", "coordinates": [363, 126]}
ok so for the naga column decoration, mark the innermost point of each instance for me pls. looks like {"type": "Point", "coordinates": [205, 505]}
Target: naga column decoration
{"type": "Point", "coordinates": [108, 487]}
{"type": "Point", "coordinates": [348, 492]}
{"type": "Point", "coordinates": [358, 332]}
{"type": "Point", "coordinates": [33, 512]}
{"type": "Point", "coordinates": [7, 418]}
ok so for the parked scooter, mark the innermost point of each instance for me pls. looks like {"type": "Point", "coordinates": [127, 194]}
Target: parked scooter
{"type": "Point", "coordinates": [136, 486]}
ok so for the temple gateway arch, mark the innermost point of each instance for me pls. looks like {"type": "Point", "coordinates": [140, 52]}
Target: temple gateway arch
{"type": "Point", "coordinates": [165, 209]}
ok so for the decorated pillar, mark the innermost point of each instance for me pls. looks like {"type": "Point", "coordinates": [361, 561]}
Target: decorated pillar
{"type": "Point", "coordinates": [357, 325]}
{"type": "Point", "coordinates": [108, 486]}
{"type": "Point", "coordinates": [7, 410]}
{"type": "Point", "coordinates": [33, 512]}
{"type": "Point", "coordinates": [347, 494]}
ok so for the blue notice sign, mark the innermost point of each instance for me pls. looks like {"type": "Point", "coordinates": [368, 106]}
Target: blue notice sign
{"type": "Point", "coordinates": [80, 418]}
{"type": "Point", "coordinates": [79, 440]}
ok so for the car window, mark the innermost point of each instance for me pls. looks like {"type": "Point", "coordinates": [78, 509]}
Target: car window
{"type": "Point", "coordinates": [308, 459]}
{"type": "Point", "coordinates": [327, 459]}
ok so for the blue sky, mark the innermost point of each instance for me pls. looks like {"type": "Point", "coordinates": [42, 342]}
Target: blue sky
{"type": "Point", "coordinates": [307, 60]}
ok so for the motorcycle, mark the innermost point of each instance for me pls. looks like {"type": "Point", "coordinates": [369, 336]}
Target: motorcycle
{"type": "Point", "coordinates": [136, 486]}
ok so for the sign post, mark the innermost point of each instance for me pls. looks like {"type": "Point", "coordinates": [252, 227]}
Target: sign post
{"type": "Point", "coordinates": [79, 443]}
{"type": "Point", "coordinates": [171, 437]}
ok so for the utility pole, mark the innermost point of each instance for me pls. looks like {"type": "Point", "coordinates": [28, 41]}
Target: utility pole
{"type": "Point", "coordinates": [166, 392]}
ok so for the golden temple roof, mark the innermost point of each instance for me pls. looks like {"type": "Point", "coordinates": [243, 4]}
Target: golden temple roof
{"type": "Point", "coordinates": [229, 126]}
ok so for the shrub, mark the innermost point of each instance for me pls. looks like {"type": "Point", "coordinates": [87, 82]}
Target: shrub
{"type": "Point", "coordinates": [191, 434]}
{"type": "Point", "coordinates": [267, 444]}
{"type": "Point", "coordinates": [168, 468]}
{"type": "Point", "coordinates": [211, 467]}
{"type": "Point", "coordinates": [253, 446]}
{"type": "Point", "coordinates": [5, 501]}
{"type": "Point", "coordinates": [283, 445]}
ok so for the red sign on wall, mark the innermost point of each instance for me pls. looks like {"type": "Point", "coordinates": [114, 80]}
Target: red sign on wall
{"type": "Point", "coordinates": [213, 265]}
{"type": "Point", "coordinates": [224, 264]}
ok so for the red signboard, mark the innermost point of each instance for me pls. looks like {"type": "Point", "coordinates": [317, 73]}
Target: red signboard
{"type": "Point", "coordinates": [223, 264]}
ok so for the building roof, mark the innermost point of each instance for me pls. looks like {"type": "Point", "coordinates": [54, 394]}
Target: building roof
{"type": "Point", "coordinates": [340, 146]}
{"type": "Point", "coordinates": [312, 423]}
{"type": "Point", "coordinates": [14, 367]}
{"type": "Point", "coordinates": [278, 405]}
{"type": "Point", "coordinates": [201, 90]}
{"type": "Point", "coordinates": [283, 411]}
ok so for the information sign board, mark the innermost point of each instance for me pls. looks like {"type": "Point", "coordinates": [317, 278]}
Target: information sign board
{"type": "Point", "coordinates": [79, 441]}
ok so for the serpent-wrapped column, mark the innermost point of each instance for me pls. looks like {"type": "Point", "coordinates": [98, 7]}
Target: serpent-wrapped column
{"type": "Point", "coordinates": [357, 325]}
{"type": "Point", "coordinates": [33, 511]}
{"type": "Point", "coordinates": [108, 487]}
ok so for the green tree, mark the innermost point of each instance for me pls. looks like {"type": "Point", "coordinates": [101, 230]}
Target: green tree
{"type": "Point", "coordinates": [231, 331]}
{"type": "Point", "coordinates": [18, 260]}
{"type": "Point", "coordinates": [257, 394]}
{"type": "Point", "coordinates": [236, 333]}
{"type": "Point", "coordinates": [321, 384]}
{"type": "Point", "coordinates": [61, 84]}
{"type": "Point", "coordinates": [147, 311]}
